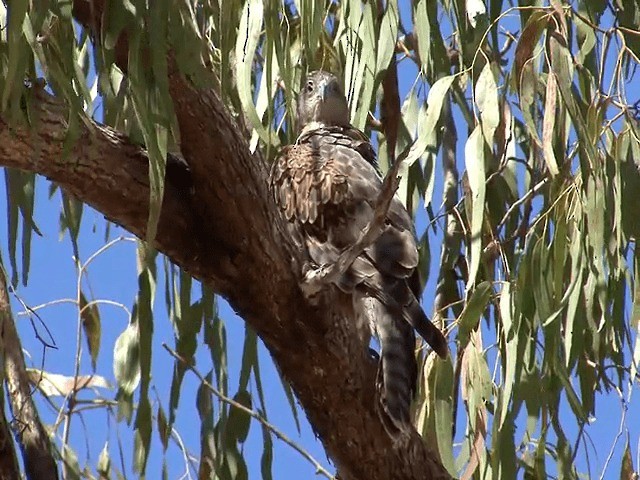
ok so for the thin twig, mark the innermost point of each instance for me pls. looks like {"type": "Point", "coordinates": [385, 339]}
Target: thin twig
{"type": "Point", "coordinates": [175, 435]}
{"type": "Point", "coordinates": [73, 301]}
{"type": "Point", "coordinates": [252, 413]}
{"type": "Point", "coordinates": [623, 418]}
{"type": "Point", "coordinates": [530, 193]}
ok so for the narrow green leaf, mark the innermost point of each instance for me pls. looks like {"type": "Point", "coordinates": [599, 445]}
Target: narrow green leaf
{"type": "Point", "coordinates": [142, 436]}
{"type": "Point", "coordinates": [587, 41]}
{"type": "Point", "coordinates": [511, 352]}
{"type": "Point", "coordinates": [216, 340]}
{"type": "Point", "coordinates": [292, 400]}
{"type": "Point", "coordinates": [486, 92]}
{"type": "Point", "coordinates": [562, 64]}
{"type": "Point", "coordinates": [104, 462]}
{"type": "Point", "coordinates": [18, 54]}
{"type": "Point", "coordinates": [258, 379]}
{"type": "Point", "coordinates": [548, 125]}
{"type": "Point", "coordinates": [572, 397]}
{"type": "Point", "coordinates": [204, 406]}
{"type": "Point", "coordinates": [236, 464]}
{"type": "Point", "coordinates": [239, 421]}
{"type": "Point", "coordinates": [364, 82]}
{"type": "Point", "coordinates": [266, 460]}
{"type": "Point", "coordinates": [143, 311]}
{"type": "Point", "coordinates": [13, 202]}
{"type": "Point", "coordinates": [435, 101]}
{"type": "Point", "coordinates": [71, 219]}
{"type": "Point", "coordinates": [249, 357]}
{"type": "Point", "coordinates": [503, 460]}
{"type": "Point", "coordinates": [473, 311]}
{"type": "Point", "coordinates": [246, 45]}
{"type": "Point", "coordinates": [311, 13]}
{"type": "Point", "coordinates": [126, 359]}
{"type": "Point", "coordinates": [443, 410]}
{"type": "Point", "coordinates": [423, 34]}
{"type": "Point", "coordinates": [149, 99]}
{"type": "Point", "coordinates": [388, 36]}
{"type": "Point", "coordinates": [478, 383]}
{"type": "Point", "coordinates": [525, 77]}
{"type": "Point", "coordinates": [474, 161]}
{"type": "Point", "coordinates": [91, 325]}
{"type": "Point", "coordinates": [164, 430]}
{"type": "Point", "coordinates": [265, 97]}
{"type": "Point", "coordinates": [28, 181]}
{"type": "Point", "coordinates": [577, 272]}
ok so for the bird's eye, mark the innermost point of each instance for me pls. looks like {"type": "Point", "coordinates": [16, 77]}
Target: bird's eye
{"type": "Point", "coordinates": [309, 87]}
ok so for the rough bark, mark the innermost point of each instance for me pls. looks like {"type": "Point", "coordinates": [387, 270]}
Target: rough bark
{"type": "Point", "coordinates": [229, 235]}
{"type": "Point", "coordinates": [9, 468]}
{"type": "Point", "coordinates": [27, 427]}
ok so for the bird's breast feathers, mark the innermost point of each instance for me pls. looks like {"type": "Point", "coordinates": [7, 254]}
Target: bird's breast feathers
{"type": "Point", "coordinates": [323, 169]}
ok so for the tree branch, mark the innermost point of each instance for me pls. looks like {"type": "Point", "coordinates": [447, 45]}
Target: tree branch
{"type": "Point", "coordinates": [27, 427]}
{"type": "Point", "coordinates": [8, 460]}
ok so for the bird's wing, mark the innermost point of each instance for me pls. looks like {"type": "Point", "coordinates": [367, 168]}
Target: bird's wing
{"type": "Point", "coordinates": [328, 182]}
{"type": "Point", "coordinates": [303, 182]}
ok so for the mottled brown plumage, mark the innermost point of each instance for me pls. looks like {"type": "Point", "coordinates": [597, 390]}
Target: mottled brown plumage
{"type": "Point", "coordinates": [328, 184]}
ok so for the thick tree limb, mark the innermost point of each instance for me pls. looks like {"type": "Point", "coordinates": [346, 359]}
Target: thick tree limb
{"type": "Point", "coordinates": [230, 235]}
{"type": "Point", "coordinates": [29, 431]}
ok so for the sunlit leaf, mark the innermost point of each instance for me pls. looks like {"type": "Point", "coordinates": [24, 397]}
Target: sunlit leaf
{"type": "Point", "coordinates": [443, 412]}
{"type": "Point", "coordinates": [104, 463]}
{"type": "Point", "coordinates": [91, 325]}
{"type": "Point", "coordinates": [388, 35]}
{"type": "Point", "coordinates": [246, 44]}
{"type": "Point", "coordinates": [474, 161]}
{"type": "Point", "coordinates": [126, 359]}
{"type": "Point", "coordinates": [53, 384]}
{"type": "Point", "coordinates": [486, 92]}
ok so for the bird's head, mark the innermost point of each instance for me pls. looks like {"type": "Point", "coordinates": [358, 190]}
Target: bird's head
{"type": "Point", "coordinates": [322, 102]}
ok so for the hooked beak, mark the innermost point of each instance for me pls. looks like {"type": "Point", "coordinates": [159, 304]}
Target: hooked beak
{"type": "Point", "coordinates": [326, 88]}
{"type": "Point", "coordinates": [323, 90]}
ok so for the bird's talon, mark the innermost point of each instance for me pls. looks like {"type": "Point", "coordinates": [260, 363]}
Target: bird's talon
{"type": "Point", "coordinates": [312, 283]}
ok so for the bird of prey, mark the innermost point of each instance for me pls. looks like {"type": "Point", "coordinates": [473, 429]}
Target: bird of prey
{"type": "Point", "coordinates": [327, 183]}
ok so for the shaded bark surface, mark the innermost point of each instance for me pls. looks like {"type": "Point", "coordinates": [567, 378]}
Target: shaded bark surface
{"type": "Point", "coordinates": [30, 434]}
{"type": "Point", "coordinates": [229, 234]}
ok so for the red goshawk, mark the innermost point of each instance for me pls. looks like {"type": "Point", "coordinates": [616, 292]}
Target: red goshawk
{"type": "Point", "coordinates": [328, 184]}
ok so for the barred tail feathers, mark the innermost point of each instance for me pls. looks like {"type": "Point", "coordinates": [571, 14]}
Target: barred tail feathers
{"type": "Point", "coordinates": [397, 367]}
